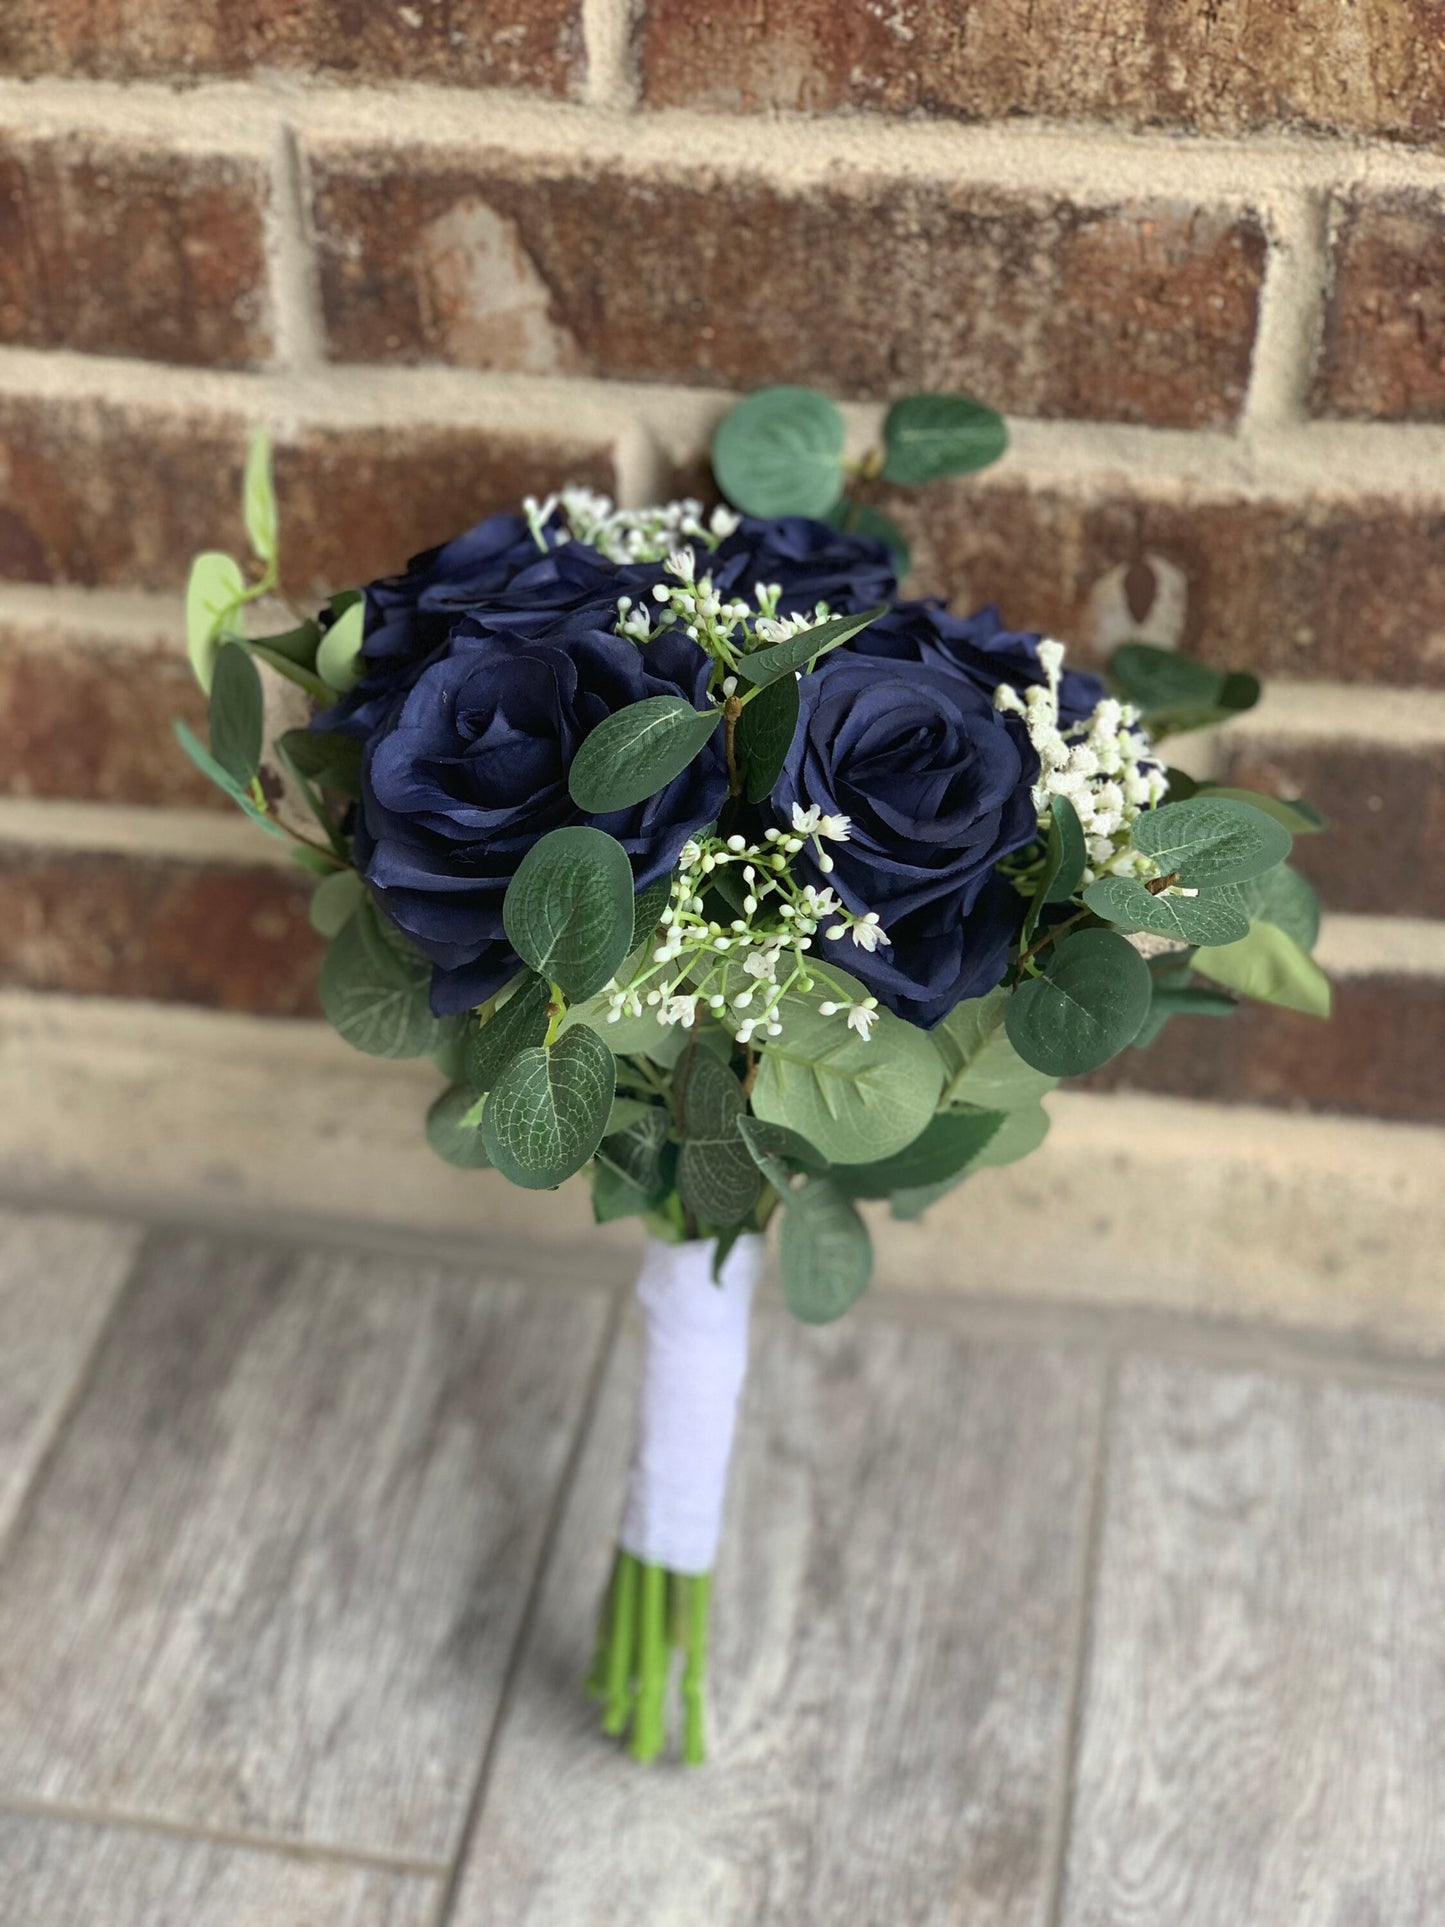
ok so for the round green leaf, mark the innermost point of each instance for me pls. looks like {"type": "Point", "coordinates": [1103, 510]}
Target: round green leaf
{"type": "Point", "coordinates": [1270, 965]}
{"type": "Point", "coordinates": [928, 436]}
{"type": "Point", "coordinates": [339, 662]}
{"type": "Point", "coordinates": [520, 1024]}
{"type": "Point", "coordinates": [717, 1178]}
{"type": "Point", "coordinates": [1090, 1002]}
{"type": "Point", "coordinates": [213, 600]}
{"type": "Point", "coordinates": [568, 909]}
{"type": "Point", "coordinates": [334, 901]}
{"type": "Point", "coordinates": [981, 1066]}
{"type": "Point", "coordinates": [948, 1145]}
{"type": "Point", "coordinates": [854, 1099]}
{"type": "Point", "coordinates": [824, 1253]}
{"type": "Point", "coordinates": [1209, 839]}
{"type": "Point", "coordinates": [764, 735]}
{"type": "Point", "coordinates": [1298, 817]}
{"type": "Point", "coordinates": [375, 988]}
{"type": "Point", "coordinates": [450, 1136]}
{"type": "Point", "coordinates": [1282, 896]}
{"type": "Point", "coordinates": [780, 452]}
{"type": "Point", "coordinates": [635, 751]}
{"type": "Point", "coordinates": [1214, 916]}
{"type": "Point", "coordinates": [547, 1111]}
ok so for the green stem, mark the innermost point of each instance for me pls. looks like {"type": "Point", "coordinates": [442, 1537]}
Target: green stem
{"type": "Point", "coordinates": [619, 1652]}
{"type": "Point", "coordinates": [653, 1651]}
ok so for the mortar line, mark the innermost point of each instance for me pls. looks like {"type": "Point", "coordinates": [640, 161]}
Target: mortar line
{"type": "Point", "coordinates": [611, 69]}
{"type": "Point", "coordinates": [299, 335]}
{"type": "Point", "coordinates": [1062, 1817]}
{"type": "Point", "coordinates": [122, 1819]}
{"type": "Point", "coordinates": [521, 1645]}
{"type": "Point", "coordinates": [1325, 460]}
{"type": "Point", "coordinates": [1087, 162]}
{"type": "Point", "coordinates": [1291, 314]}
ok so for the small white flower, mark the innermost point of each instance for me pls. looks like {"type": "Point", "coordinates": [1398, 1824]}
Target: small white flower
{"type": "Point", "coordinates": [818, 904]}
{"type": "Point", "coordinates": [678, 1010]}
{"type": "Point", "coordinates": [723, 523]}
{"type": "Point", "coordinates": [868, 933]}
{"type": "Point", "coordinates": [762, 963]}
{"type": "Point", "coordinates": [806, 822]}
{"type": "Point", "coordinates": [862, 1017]}
{"type": "Point", "coordinates": [835, 828]}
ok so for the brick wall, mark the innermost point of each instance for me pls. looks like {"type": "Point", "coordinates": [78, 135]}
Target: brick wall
{"type": "Point", "coordinates": [453, 254]}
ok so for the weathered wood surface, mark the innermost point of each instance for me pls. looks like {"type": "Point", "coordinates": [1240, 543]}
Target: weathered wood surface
{"type": "Point", "coordinates": [275, 1568]}
{"type": "Point", "coordinates": [892, 1636]}
{"type": "Point", "coordinates": [55, 1873]}
{"type": "Point", "coordinates": [1263, 1739]}
{"type": "Point", "coordinates": [58, 1280]}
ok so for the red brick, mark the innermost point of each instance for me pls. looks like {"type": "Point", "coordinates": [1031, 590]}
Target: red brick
{"type": "Point", "coordinates": [1385, 851]}
{"type": "Point", "coordinates": [493, 43]}
{"type": "Point", "coordinates": [1143, 312]}
{"type": "Point", "coordinates": [1379, 1054]}
{"type": "Point", "coordinates": [1383, 353]}
{"type": "Point", "coordinates": [94, 725]}
{"type": "Point", "coordinates": [1227, 67]}
{"type": "Point", "coordinates": [111, 926]}
{"type": "Point", "coordinates": [95, 494]}
{"type": "Point", "coordinates": [126, 251]}
{"type": "Point", "coordinates": [1343, 590]}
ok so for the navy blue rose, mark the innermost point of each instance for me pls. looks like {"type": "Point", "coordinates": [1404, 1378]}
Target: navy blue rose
{"type": "Point", "coordinates": [473, 770]}
{"type": "Point", "coordinates": [980, 647]}
{"type": "Point", "coordinates": [936, 784]}
{"type": "Point", "coordinates": [811, 562]}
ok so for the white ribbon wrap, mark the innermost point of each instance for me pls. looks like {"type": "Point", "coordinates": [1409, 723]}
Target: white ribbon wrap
{"type": "Point", "coordinates": [694, 1360]}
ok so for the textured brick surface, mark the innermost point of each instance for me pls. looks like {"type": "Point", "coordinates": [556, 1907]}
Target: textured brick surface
{"type": "Point", "coordinates": [131, 252]}
{"type": "Point", "coordinates": [1383, 353]}
{"type": "Point", "coordinates": [1379, 1054]}
{"type": "Point", "coordinates": [1385, 851]}
{"type": "Point", "coordinates": [1144, 313]}
{"type": "Point", "coordinates": [112, 926]}
{"type": "Point", "coordinates": [1228, 66]}
{"type": "Point", "coordinates": [94, 494]}
{"type": "Point", "coordinates": [94, 725]}
{"type": "Point", "coordinates": [495, 43]}
{"type": "Point", "coordinates": [1344, 589]}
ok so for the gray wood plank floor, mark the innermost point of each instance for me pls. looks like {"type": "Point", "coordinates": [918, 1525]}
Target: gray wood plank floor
{"type": "Point", "coordinates": [62, 1874]}
{"type": "Point", "coordinates": [892, 1641]}
{"type": "Point", "coordinates": [278, 1562]}
{"type": "Point", "coordinates": [304, 1551]}
{"type": "Point", "coordinates": [1264, 1729]}
{"type": "Point", "coordinates": [58, 1279]}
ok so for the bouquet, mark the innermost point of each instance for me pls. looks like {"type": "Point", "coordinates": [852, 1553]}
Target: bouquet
{"type": "Point", "coordinates": [706, 865]}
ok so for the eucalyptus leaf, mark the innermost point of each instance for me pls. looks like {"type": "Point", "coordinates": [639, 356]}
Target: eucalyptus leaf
{"type": "Point", "coordinates": [335, 901]}
{"type": "Point", "coordinates": [1282, 896]}
{"type": "Point", "coordinates": [981, 1066]}
{"type": "Point", "coordinates": [1209, 840]}
{"type": "Point", "coordinates": [717, 1178]}
{"type": "Point", "coordinates": [326, 757]}
{"type": "Point", "coordinates": [1213, 916]}
{"type": "Point", "coordinates": [1297, 816]}
{"type": "Point", "coordinates": [929, 436]}
{"type": "Point", "coordinates": [636, 1150]}
{"type": "Point", "coordinates": [375, 988]}
{"type": "Point", "coordinates": [853, 1098]}
{"type": "Point", "coordinates": [214, 593]}
{"type": "Point", "coordinates": [647, 909]}
{"type": "Point", "coordinates": [786, 658]}
{"type": "Point", "coordinates": [1268, 964]}
{"type": "Point", "coordinates": [613, 1197]}
{"type": "Point", "coordinates": [635, 752]}
{"type": "Point", "coordinates": [1019, 1135]}
{"type": "Point", "coordinates": [824, 1253]}
{"type": "Point", "coordinates": [764, 734]}
{"type": "Point", "coordinates": [940, 1152]}
{"type": "Point", "coordinates": [223, 780]}
{"type": "Point", "coordinates": [339, 661]}
{"type": "Point", "coordinates": [451, 1136]}
{"type": "Point", "coordinates": [568, 909]}
{"type": "Point", "coordinates": [258, 498]}
{"type": "Point", "coordinates": [297, 646]}
{"type": "Point", "coordinates": [1177, 693]}
{"type": "Point", "coordinates": [776, 1141]}
{"type": "Point", "coordinates": [237, 713]}
{"type": "Point", "coordinates": [1090, 1001]}
{"type": "Point", "coordinates": [780, 452]}
{"type": "Point", "coordinates": [517, 1025]}
{"type": "Point", "coordinates": [545, 1115]}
